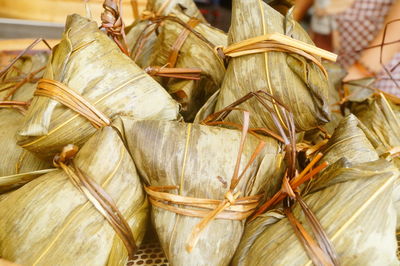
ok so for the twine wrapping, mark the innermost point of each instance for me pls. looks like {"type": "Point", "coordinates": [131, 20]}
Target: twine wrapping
{"type": "Point", "coordinates": [18, 105]}
{"type": "Point", "coordinates": [240, 208]}
{"type": "Point", "coordinates": [277, 42]}
{"type": "Point", "coordinates": [176, 47]}
{"type": "Point", "coordinates": [97, 196]}
{"type": "Point", "coordinates": [179, 73]}
{"type": "Point", "coordinates": [157, 21]}
{"type": "Point", "coordinates": [57, 91]}
{"type": "Point", "coordinates": [111, 20]}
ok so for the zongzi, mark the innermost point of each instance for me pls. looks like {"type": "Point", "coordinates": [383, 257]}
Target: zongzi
{"type": "Point", "coordinates": [92, 211]}
{"type": "Point", "coordinates": [381, 125]}
{"type": "Point", "coordinates": [145, 28]}
{"type": "Point", "coordinates": [186, 187]}
{"type": "Point", "coordinates": [343, 202]}
{"type": "Point", "coordinates": [264, 58]}
{"type": "Point", "coordinates": [186, 43]}
{"type": "Point", "coordinates": [87, 83]}
{"type": "Point", "coordinates": [341, 198]}
{"type": "Point", "coordinates": [18, 166]}
{"type": "Point", "coordinates": [19, 82]}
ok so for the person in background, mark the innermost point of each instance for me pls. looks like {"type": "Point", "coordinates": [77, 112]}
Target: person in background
{"type": "Point", "coordinates": [354, 29]}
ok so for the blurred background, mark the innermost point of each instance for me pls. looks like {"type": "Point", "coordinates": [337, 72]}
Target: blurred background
{"type": "Point", "coordinates": [45, 18]}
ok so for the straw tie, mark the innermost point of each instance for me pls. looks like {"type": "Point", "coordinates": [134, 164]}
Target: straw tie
{"type": "Point", "coordinates": [288, 187]}
{"type": "Point", "coordinates": [240, 209]}
{"type": "Point", "coordinates": [20, 81]}
{"type": "Point", "coordinates": [13, 104]}
{"type": "Point", "coordinates": [185, 73]}
{"type": "Point", "coordinates": [393, 152]}
{"type": "Point", "coordinates": [277, 42]}
{"type": "Point", "coordinates": [111, 20]}
{"type": "Point", "coordinates": [17, 105]}
{"type": "Point", "coordinates": [156, 22]}
{"type": "Point", "coordinates": [179, 73]}
{"type": "Point", "coordinates": [97, 196]}
{"type": "Point", "coordinates": [57, 91]}
{"type": "Point", "coordinates": [5, 70]}
{"type": "Point", "coordinates": [230, 197]}
{"type": "Point", "coordinates": [171, 71]}
{"type": "Point", "coordinates": [176, 47]}
{"type": "Point", "coordinates": [29, 78]}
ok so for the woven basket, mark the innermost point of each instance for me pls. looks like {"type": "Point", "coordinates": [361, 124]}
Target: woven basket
{"type": "Point", "coordinates": [150, 254]}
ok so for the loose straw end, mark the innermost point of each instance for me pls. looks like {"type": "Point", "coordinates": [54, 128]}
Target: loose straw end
{"type": "Point", "coordinates": [192, 240]}
{"type": "Point", "coordinates": [191, 243]}
{"type": "Point", "coordinates": [189, 248]}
